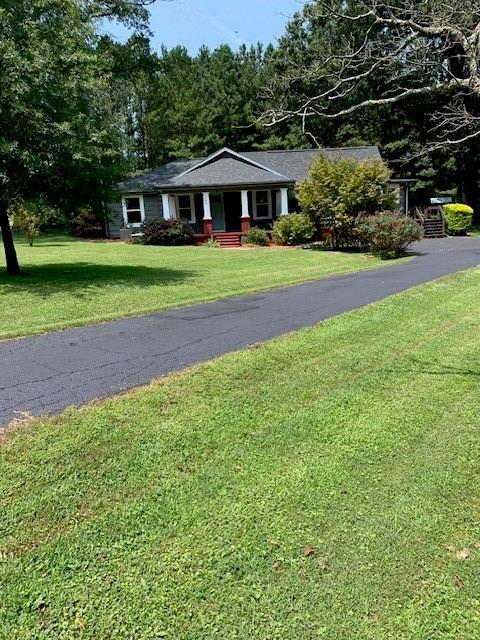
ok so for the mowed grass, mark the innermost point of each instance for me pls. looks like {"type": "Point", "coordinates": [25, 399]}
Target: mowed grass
{"type": "Point", "coordinates": [67, 282]}
{"type": "Point", "coordinates": [323, 485]}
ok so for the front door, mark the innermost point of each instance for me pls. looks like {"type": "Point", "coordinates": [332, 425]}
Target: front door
{"type": "Point", "coordinates": [218, 211]}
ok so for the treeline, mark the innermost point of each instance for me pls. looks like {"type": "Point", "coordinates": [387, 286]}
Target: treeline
{"type": "Point", "coordinates": [174, 105]}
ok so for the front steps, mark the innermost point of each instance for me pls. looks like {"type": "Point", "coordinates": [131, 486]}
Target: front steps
{"type": "Point", "coordinates": [226, 239]}
{"type": "Point", "coordinates": [433, 228]}
{"type": "Point", "coordinates": [229, 240]}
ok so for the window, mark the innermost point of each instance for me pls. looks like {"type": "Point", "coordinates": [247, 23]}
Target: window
{"type": "Point", "coordinates": [186, 207]}
{"type": "Point", "coordinates": [262, 205]}
{"type": "Point", "coordinates": [133, 211]}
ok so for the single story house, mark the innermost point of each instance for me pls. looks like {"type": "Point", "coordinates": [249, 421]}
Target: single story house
{"type": "Point", "coordinates": [227, 192]}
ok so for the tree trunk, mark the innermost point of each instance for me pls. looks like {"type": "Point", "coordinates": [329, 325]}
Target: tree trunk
{"type": "Point", "coordinates": [13, 268]}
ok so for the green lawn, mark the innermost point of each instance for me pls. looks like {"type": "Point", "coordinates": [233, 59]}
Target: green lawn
{"type": "Point", "coordinates": [68, 282]}
{"type": "Point", "coordinates": [323, 485]}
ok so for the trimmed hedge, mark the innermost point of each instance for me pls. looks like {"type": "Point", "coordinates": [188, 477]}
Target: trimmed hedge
{"type": "Point", "coordinates": [168, 233]}
{"type": "Point", "coordinates": [387, 234]}
{"type": "Point", "coordinates": [296, 228]}
{"type": "Point", "coordinates": [459, 218]}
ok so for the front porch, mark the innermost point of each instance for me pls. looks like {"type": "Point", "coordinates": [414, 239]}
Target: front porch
{"type": "Point", "coordinates": [226, 215]}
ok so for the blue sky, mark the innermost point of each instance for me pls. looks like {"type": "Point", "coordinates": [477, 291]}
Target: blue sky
{"type": "Point", "coordinates": [212, 22]}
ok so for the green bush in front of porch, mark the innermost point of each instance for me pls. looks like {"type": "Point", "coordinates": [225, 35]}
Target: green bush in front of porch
{"type": "Point", "coordinates": [256, 236]}
{"type": "Point", "coordinates": [168, 233]}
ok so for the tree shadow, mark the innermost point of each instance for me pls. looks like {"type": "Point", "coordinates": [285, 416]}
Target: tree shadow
{"type": "Point", "coordinates": [83, 278]}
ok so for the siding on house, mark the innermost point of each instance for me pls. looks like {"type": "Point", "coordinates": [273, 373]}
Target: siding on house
{"type": "Point", "coordinates": [153, 208]}
{"type": "Point", "coordinates": [153, 211]}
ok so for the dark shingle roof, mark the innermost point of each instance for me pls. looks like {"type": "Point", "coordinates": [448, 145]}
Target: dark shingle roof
{"type": "Point", "coordinates": [227, 169]}
{"type": "Point", "coordinates": [295, 164]}
{"type": "Point", "coordinates": [151, 180]}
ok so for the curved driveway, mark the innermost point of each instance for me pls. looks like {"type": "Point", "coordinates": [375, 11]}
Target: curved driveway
{"type": "Point", "coordinates": [45, 374]}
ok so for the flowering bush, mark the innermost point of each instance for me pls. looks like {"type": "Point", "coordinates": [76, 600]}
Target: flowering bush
{"type": "Point", "coordinates": [387, 234]}
{"type": "Point", "coordinates": [86, 224]}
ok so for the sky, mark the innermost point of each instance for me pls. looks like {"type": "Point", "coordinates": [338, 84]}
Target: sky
{"type": "Point", "coordinates": [193, 23]}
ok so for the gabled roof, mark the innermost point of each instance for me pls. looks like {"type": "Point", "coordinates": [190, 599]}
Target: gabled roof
{"type": "Point", "coordinates": [227, 168]}
{"type": "Point", "coordinates": [226, 153]}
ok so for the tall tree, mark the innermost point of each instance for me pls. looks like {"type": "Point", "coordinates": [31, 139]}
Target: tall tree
{"type": "Point", "coordinates": [346, 75]}
{"type": "Point", "coordinates": [409, 48]}
{"type": "Point", "coordinates": [58, 136]}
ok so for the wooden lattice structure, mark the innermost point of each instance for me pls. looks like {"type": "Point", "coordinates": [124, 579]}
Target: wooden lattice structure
{"type": "Point", "coordinates": [432, 218]}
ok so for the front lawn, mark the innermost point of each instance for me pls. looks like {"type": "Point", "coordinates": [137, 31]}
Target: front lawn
{"type": "Point", "coordinates": [69, 282]}
{"type": "Point", "coordinates": [323, 485]}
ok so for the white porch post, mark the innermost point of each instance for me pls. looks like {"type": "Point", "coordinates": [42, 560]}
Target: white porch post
{"type": "Point", "coordinates": [284, 202]}
{"type": "Point", "coordinates": [207, 215]}
{"type": "Point", "coordinates": [245, 219]}
{"type": "Point", "coordinates": [207, 210]}
{"type": "Point", "coordinates": [245, 211]}
{"type": "Point", "coordinates": [166, 206]}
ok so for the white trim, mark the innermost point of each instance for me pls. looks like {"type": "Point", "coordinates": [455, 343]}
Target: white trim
{"type": "Point", "coordinates": [193, 217]}
{"type": "Point", "coordinates": [207, 209]}
{"type": "Point", "coordinates": [129, 196]}
{"type": "Point", "coordinates": [172, 204]}
{"type": "Point", "coordinates": [239, 156]}
{"type": "Point", "coordinates": [254, 202]}
{"type": "Point", "coordinates": [166, 206]}
{"type": "Point", "coordinates": [245, 207]}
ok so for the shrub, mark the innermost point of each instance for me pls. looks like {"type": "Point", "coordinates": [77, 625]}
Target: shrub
{"type": "Point", "coordinates": [26, 220]}
{"type": "Point", "coordinates": [256, 236]}
{"type": "Point", "coordinates": [295, 228]}
{"type": "Point", "coordinates": [86, 224]}
{"type": "Point", "coordinates": [459, 218]}
{"type": "Point", "coordinates": [387, 234]}
{"type": "Point", "coordinates": [338, 191]}
{"type": "Point", "coordinates": [212, 243]}
{"type": "Point", "coordinates": [168, 233]}
{"type": "Point", "coordinates": [30, 216]}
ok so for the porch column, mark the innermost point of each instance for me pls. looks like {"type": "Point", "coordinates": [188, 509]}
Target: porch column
{"type": "Point", "coordinates": [245, 219]}
{"type": "Point", "coordinates": [207, 215]}
{"type": "Point", "coordinates": [284, 202]}
{"type": "Point", "coordinates": [173, 207]}
{"type": "Point", "coordinates": [166, 206]}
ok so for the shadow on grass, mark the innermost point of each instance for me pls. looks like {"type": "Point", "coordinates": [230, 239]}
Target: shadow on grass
{"type": "Point", "coordinates": [82, 278]}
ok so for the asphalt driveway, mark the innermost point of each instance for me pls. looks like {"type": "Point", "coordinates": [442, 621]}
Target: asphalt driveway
{"type": "Point", "coordinates": [47, 373]}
